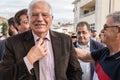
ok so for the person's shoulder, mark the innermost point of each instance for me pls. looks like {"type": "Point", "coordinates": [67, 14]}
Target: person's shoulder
{"type": "Point", "coordinates": [2, 41]}
{"type": "Point", "coordinates": [96, 42]}
{"type": "Point", "coordinates": [20, 36]}
{"type": "Point", "coordinates": [75, 44]}
{"type": "Point", "coordinates": [62, 35]}
{"type": "Point", "coordinates": [101, 50]}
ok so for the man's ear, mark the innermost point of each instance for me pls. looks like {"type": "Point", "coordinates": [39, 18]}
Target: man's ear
{"type": "Point", "coordinates": [119, 29]}
{"type": "Point", "coordinates": [52, 17]}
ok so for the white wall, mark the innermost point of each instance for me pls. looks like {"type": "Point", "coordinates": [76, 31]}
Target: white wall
{"type": "Point", "coordinates": [102, 10]}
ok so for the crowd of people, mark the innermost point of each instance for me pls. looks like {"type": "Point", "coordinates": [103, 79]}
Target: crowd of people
{"type": "Point", "coordinates": [17, 24]}
{"type": "Point", "coordinates": [34, 52]}
{"type": "Point", "coordinates": [39, 53]}
{"type": "Point", "coordinates": [107, 59]}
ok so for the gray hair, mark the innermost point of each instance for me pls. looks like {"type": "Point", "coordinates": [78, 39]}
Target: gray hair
{"type": "Point", "coordinates": [115, 18]}
{"type": "Point", "coordinates": [34, 2]}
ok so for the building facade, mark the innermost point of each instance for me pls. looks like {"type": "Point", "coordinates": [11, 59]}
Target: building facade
{"type": "Point", "coordinates": [94, 11]}
{"type": "Point", "coordinates": [66, 28]}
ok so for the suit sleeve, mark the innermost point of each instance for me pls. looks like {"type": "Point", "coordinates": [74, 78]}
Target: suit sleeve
{"type": "Point", "coordinates": [74, 71]}
{"type": "Point", "coordinates": [12, 68]}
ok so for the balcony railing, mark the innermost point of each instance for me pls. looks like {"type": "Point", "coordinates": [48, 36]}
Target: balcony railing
{"type": "Point", "coordinates": [87, 14]}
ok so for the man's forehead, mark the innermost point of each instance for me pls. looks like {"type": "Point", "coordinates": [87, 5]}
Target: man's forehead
{"type": "Point", "coordinates": [82, 28]}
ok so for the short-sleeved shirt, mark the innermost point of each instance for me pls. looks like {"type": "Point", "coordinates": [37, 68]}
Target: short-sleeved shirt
{"type": "Point", "coordinates": [107, 66]}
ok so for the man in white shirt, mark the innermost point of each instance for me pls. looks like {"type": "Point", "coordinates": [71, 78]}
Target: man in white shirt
{"type": "Point", "coordinates": [86, 43]}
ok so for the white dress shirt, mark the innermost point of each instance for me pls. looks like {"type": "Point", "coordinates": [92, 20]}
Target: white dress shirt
{"type": "Point", "coordinates": [85, 65]}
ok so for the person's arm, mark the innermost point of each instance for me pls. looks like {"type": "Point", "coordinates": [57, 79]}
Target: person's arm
{"type": "Point", "coordinates": [13, 66]}
{"type": "Point", "coordinates": [28, 64]}
{"type": "Point", "coordinates": [35, 53]}
{"type": "Point", "coordinates": [84, 55]}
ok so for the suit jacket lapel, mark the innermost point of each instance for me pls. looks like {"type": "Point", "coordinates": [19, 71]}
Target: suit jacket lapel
{"type": "Point", "coordinates": [92, 45]}
{"type": "Point", "coordinates": [56, 45]}
{"type": "Point", "coordinates": [28, 43]}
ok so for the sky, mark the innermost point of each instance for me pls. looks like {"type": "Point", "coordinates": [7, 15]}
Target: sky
{"type": "Point", "coordinates": [62, 9]}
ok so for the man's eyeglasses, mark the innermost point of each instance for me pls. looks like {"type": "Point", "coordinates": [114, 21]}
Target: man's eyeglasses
{"type": "Point", "coordinates": [44, 15]}
{"type": "Point", "coordinates": [106, 26]}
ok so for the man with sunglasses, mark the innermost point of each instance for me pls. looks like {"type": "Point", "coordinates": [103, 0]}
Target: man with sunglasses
{"type": "Point", "coordinates": [107, 59]}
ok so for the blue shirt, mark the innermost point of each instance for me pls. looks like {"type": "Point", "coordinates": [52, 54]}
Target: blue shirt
{"type": "Point", "coordinates": [107, 66]}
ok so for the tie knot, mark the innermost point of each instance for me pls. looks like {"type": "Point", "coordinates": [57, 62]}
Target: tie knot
{"type": "Point", "coordinates": [44, 39]}
{"type": "Point", "coordinates": [38, 39]}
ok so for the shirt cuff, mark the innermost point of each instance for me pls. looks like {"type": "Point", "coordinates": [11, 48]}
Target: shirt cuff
{"type": "Point", "coordinates": [28, 64]}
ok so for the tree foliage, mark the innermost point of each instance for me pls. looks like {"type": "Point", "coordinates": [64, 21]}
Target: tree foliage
{"type": "Point", "coordinates": [4, 28]}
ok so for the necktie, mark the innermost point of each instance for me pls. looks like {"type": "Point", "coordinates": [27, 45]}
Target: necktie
{"type": "Point", "coordinates": [43, 65]}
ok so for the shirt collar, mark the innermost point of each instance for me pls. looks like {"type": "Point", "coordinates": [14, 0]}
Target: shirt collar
{"type": "Point", "coordinates": [36, 37]}
{"type": "Point", "coordinates": [87, 45]}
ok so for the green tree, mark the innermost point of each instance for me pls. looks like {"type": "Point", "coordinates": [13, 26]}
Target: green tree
{"type": "Point", "coordinates": [4, 28]}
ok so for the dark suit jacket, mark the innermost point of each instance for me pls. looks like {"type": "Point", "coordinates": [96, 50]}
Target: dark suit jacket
{"type": "Point", "coordinates": [16, 47]}
{"type": "Point", "coordinates": [2, 48]}
{"type": "Point", "coordinates": [94, 45]}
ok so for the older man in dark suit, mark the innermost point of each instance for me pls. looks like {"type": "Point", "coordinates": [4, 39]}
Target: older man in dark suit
{"type": "Point", "coordinates": [40, 54]}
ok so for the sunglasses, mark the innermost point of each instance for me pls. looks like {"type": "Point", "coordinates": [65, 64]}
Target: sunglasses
{"type": "Point", "coordinates": [73, 36]}
{"type": "Point", "coordinates": [106, 26]}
